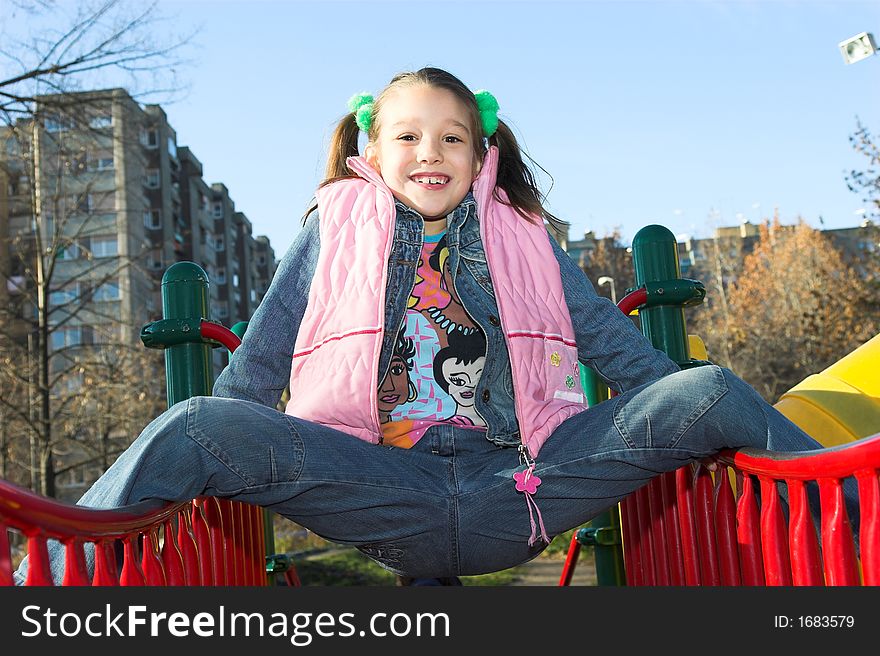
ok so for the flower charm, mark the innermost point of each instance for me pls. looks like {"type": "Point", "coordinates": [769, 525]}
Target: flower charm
{"type": "Point", "coordinates": [555, 359]}
{"type": "Point", "coordinates": [569, 382]}
{"type": "Point", "coordinates": [526, 481]}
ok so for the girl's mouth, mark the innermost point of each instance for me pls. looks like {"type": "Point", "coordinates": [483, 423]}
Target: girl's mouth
{"type": "Point", "coordinates": [467, 395]}
{"type": "Point", "coordinates": [430, 181]}
{"type": "Point", "coordinates": [390, 398]}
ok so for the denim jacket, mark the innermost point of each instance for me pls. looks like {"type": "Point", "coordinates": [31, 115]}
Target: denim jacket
{"type": "Point", "coordinates": [607, 341]}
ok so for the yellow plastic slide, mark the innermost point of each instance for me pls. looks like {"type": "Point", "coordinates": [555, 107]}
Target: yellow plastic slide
{"type": "Point", "coordinates": [842, 403]}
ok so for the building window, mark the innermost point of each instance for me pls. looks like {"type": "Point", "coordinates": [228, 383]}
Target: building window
{"type": "Point", "coordinates": [66, 336]}
{"type": "Point", "coordinates": [103, 162]}
{"type": "Point", "coordinates": [223, 310]}
{"type": "Point", "coordinates": [218, 210]}
{"type": "Point", "coordinates": [152, 219]}
{"type": "Point", "coordinates": [253, 296]}
{"type": "Point", "coordinates": [154, 260]}
{"type": "Point", "coordinates": [221, 276]}
{"type": "Point", "coordinates": [235, 280]}
{"type": "Point", "coordinates": [218, 244]}
{"type": "Point", "coordinates": [101, 121]}
{"type": "Point", "coordinates": [85, 203]}
{"type": "Point", "coordinates": [69, 251]}
{"type": "Point", "coordinates": [172, 147]}
{"type": "Point", "coordinates": [57, 124]}
{"type": "Point", "coordinates": [151, 178]}
{"type": "Point", "coordinates": [104, 247]}
{"type": "Point", "coordinates": [107, 291]}
{"type": "Point", "coordinates": [150, 137]}
{"type": "Point", "coordinates": [67, 295]}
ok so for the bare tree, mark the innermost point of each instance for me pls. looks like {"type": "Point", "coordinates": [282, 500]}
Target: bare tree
{"type": "Point", "coordinates": [51, 47]}
{"type": "Point", "coordinates": [611, 258]}
{"type": "Point", "coordinates": [867, 181]}
{"type": "Point", "coordinates": [61, 272]}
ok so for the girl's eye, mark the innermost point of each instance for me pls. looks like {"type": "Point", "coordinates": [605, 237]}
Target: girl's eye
{"type": "Point", "coordinates": [406, 137]}
{"type": "Point", "coordinates": [452, 139]}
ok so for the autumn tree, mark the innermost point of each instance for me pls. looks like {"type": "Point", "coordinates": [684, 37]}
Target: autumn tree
{"type": "Point", "coordinates": [796, 307]}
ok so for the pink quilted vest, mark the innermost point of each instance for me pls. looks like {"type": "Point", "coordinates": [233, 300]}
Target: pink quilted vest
{"type": "Point", "coordinates": [334, 376]}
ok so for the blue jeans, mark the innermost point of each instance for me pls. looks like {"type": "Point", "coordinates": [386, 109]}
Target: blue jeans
{"type": "Point", "coordinates": [447, 506]}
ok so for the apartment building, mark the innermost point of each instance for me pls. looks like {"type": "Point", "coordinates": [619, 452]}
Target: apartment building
{"type": "Point", "coordinates": [111, 175]}
{"type": "Point", "coordinates": [99, 182]}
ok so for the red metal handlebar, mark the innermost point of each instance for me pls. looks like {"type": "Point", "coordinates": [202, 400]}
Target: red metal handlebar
{"type": "Point", "coordinates": [35, 513]}
{"type": "Point", "coordinates": [833, 462]}
{"type": "Point", "coordinates": [220, 334]}
{"type": "Point", "coordinates": [633, 300]}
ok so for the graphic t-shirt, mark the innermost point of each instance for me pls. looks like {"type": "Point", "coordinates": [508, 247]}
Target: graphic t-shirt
{"type": "Point", "coordinates": [437, 359]}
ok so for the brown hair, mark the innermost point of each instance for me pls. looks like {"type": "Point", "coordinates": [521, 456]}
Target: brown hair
{"type": "Point", "coordinates": [514, 177]}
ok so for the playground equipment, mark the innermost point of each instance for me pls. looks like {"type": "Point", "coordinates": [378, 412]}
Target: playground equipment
{"type": "Point", "coordinates": [205, 541]}
{"type": "Point", "coordinates": [682, 528]}
{"type": "Point", "coordinates": [686, 528]}
{"type": "Point", "coordinates": [842, 403]}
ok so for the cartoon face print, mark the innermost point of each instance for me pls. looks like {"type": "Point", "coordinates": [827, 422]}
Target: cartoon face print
{"type": "Point", "coordinates": [457, 369]}
{"type": "Point", "coordinates": [462, 380]}
{"type": "Point", "coordinates": [397, 388]}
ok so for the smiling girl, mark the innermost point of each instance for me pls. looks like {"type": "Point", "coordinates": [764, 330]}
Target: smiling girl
{"type": "Point", "coordinates": [438, 165]}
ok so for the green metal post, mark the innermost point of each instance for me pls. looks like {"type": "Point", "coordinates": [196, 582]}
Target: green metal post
{"type": "Point", "coordinates": [602, 533]}
{"type": "Point", "coordinates": [187, 364]}
{"type": "Point", "coordinates": [594, 387]}
{"type": "Point", "coordinates": [655, 257]}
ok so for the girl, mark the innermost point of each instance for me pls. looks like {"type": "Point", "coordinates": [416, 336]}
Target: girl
{"type": "Point", "coordinates": [421, 493]}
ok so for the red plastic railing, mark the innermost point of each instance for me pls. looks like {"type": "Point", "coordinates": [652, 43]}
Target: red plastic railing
{"type": "Point", "coordinates": [205, 541]}
{"type": "Point", "coordinates": [689, 527]}
{"type": "Point", "coordinates": [724, 537]}
{"type": "Point", "coordinates": [188, 543]}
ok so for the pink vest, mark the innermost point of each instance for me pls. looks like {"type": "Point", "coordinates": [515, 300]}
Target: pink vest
{"type": "Point", "coordinates": [334, 376]}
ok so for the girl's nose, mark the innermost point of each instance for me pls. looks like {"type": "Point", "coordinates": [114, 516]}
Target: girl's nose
{"type": "Point", "coordinates": [428, 152]}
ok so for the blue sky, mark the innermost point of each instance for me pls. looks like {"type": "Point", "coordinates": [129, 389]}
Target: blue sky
{"type": "Point", "coordinates": [690, 114]}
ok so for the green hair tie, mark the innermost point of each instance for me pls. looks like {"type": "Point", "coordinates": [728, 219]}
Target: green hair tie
{"type": "Point", "coordinates": [361, 105]}
{"type": "Point", "coordinates": [488, 107]}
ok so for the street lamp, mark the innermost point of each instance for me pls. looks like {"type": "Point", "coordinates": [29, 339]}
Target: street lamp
{"type": "Point", "coordinates": [608, 280]}
{"type": "Point", "coordinates": [858, 47]}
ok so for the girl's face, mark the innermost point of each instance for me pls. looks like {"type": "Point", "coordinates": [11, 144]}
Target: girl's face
{"type": "Point", "coordinates": [462, 379]}
{"type": "Point", "coordinates": [425, 151]}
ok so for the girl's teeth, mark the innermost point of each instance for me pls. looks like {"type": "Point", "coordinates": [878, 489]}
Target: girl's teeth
{"type": "Point", "coordinates": [431, 180]}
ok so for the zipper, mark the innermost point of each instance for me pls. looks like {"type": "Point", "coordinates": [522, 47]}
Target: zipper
{"type": "Point", "coordinates": [485, 334]}
{"type": "Point", "coordinates": [412, 282]}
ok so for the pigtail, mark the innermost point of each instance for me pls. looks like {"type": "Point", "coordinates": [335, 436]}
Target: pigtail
{"type": "Point", "coordinates": [516, 179]}
{"type": "Point", "coordinates": [343, 144]}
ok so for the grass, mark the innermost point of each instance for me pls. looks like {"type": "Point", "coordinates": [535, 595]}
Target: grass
{"type": "Point", "coordinates": [349, 567]}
